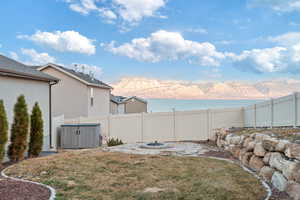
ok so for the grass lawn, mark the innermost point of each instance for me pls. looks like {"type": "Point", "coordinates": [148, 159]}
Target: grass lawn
{"type": "Point", "coordinates": [96, 175]}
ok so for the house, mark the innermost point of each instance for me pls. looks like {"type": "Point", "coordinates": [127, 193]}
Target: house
{"type": "Point", "coordinates": [18, 79]}
{"type": "Point", "coordinates": [127, 105]}
{"type": "Point", "coordinates": [77, 94]}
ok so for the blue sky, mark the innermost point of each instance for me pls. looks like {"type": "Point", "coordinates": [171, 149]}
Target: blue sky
{"type": "Point", "coordinates": [240, 40]}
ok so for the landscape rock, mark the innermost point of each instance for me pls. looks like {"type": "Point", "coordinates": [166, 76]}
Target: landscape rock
{"type": "Point", "coordinates": [267, 157]}
{"type": "Point", "coordinates": [259, 150]}
{"type": "Point", "coordinates": [256, 163]}
{"type": "Point", "coordinates": [293, 190]}
{"type": "Point", "coordinates": [259, 137]}
{"type": "Point", "coordinates": [293, 151]}
{"type": "Point", "coordinates": [282, 145]}
{"type": "Point", "coordinates": [247, 140]}
{"type": "Point", "coordinates": [267, 173]}
{"type": "Point", "coordinates": [245, 157]}
{"type": "Point", "coordinates": [250, 146]}
{"type": "Point", "coordinates": [279, 181]}
{"type": "Point", "coordinates": [290, 169]}
{"type": "Point", "coordinates": [234, 150]}
{"type": "Point", "coordinates": [234, 139]}
{"type": "Point", "coordinates": [270, 143]}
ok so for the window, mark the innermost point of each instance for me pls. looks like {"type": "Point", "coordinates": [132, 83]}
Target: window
{"type": "Point", "coordinates": [92, 101]}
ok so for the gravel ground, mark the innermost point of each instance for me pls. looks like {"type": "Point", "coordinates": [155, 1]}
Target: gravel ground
{"type": "Point", "coordinates": [18, 190]}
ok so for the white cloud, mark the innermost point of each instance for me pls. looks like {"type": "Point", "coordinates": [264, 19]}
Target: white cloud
{"type": "Point", "coordinates": [92, 70]}
{"type": "Point", "coordinates": [287, 39]}
{"type": "Point", "coordinates": [277, 5]}
{"type": "Point", "coordinates": [178, 89]}
{"type": "Point", "coordinates": [128, 11]}
{"type": "Point", "coordinates": [37, 58]}
{"type": "Point", "coordinates": [262, 60]}
{"type": "Point", "coordinates": [164, 45]}
{"type": "Point", "coordinates": [68, 41]}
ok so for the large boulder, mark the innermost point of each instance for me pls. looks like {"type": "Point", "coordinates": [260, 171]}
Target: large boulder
{"type": "Point", "coordinates": [233, 139]}
{"type": "Point", "coordinates": [270, 143]}
{"type": "Point", "coordinates": [267, 173]}
{"type": "Point", "coordinates": [282, 145]}
{"type": "Point", "coordinates": [247, 140]}
{"type": "Point", "coordinates": [245, 157]}
{"type": "Point", "coordinates": [293, 151]}
{"type": "Point", "coordinates": [256, 163]}
{"type": "Point", "coordinates": [267, 157]}
{"type": "Point", "coordinates": [259, 137]}
{"type": "Point", "coordinates": [234, 150]}
{"type": "Point", "coordinates": [279, 181]}
{"type": "Point", "coordinates": [250, 146]}
{"type": "Point", "coordinates": [290, 169]}
{"type": "Point", "coordinates": [259, 150]}
{"type": "Point", "coordinates": [293, 190]}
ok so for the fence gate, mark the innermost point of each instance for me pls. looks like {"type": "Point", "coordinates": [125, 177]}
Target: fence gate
{"type": "Point", "coordinates": [74, 136]}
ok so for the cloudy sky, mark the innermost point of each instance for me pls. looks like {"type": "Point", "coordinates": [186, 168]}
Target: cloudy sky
{"type": "Point", "coordinates": [163, 48]}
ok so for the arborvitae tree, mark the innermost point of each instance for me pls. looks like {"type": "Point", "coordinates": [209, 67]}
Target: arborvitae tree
{"type": "Point", "coordinates": [36, 132]}
{"type": "Point", "coordinates": [19, 131]}
{"type": "Point", "coordinates": [3, 130]}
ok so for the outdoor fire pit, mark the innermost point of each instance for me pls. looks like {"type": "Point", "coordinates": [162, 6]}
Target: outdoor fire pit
{"type": "Point", "coordinates": [155, 145]}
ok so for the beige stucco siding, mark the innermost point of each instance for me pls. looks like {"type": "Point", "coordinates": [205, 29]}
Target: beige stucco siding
{"type": "Point", "coordinates": [135, 106]}
{"type": "Point", "coordinates": [113, 108]}
{"type": "Point", "coordinates": [101, 101]}
{"type": "Point", "coordinates": [69, 96]}
{"type": "Point", "coordinates": [34, 91]}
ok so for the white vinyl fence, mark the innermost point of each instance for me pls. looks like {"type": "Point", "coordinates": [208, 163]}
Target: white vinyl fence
{"type": "Point", "coordinates": [169, 126]}
{"type": "Point", "coordinates": [284, 111]}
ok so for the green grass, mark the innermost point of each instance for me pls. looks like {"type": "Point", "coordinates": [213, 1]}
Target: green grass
{"type": "Point", "coordinates": [92, 174]}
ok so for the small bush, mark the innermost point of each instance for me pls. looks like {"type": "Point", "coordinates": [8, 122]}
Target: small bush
{"type": "Point", "coordinates": [114, 142]}
{"type": "Point", "coordinates": [36, 132]}
{"type": "Point", "coordinates": [3, 130]}
{"type": "Point", "coordinates": [19, 131]}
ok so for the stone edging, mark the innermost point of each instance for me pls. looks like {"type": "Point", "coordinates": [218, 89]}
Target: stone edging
{"type": "Point", "coordinates": [267, 187]}
{"type": "Point", "coordinates": [52, 190]}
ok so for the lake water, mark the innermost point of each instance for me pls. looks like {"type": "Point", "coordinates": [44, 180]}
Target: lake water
{"type": "Point", "coordinates": [166, 105]}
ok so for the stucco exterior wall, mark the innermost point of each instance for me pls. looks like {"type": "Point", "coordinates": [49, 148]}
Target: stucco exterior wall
{"type": "Point", "coordinates": [34, 91]}
{"type": "Point", "coordinates": [135, 106]}
{"type": "Point", "coordinates": [101, 105]}
{"type": "Point", "coordinates": [113, 108]}
{"type": "Point", "coordinates": [69, 96]}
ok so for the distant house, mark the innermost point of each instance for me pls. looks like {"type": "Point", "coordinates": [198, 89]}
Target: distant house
{"type": "Point", "coordinates": [18, 79]}
{"type": "Point", "coordinates": [77, 94]}
{"type": "Point", "coordinates": [127, 105]}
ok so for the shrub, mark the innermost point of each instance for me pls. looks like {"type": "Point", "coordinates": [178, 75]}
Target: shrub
{"type": "Point", "coordinates": [19, 131]}
{"type": "Point", "coordinates": [114, 142]}
{"type": "Point", "coordinates": [3, 130]}
{"type": "Point", "coordinates": [36, 132]}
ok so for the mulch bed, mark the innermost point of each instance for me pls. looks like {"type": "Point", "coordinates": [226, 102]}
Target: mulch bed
{"type": "Point", "coordinates": [18, 190]}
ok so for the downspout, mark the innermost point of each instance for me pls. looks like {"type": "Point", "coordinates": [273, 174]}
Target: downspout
{"type": "Point", "coordinates": [50, 113]}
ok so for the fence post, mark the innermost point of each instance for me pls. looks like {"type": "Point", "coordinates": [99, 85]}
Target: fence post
{"type": "Point", "coordinates": [272, 112]}
{"type": "Point", "coordinates": [208, 123]}
{"type": "Point", "coordinates": [254, 115]}
{"type": "Point", "coordinates": [174, 124]}
{"type": "Point", "coordinates": [295, 109]}
{"type": "Point", "coordinates": [142, 126]}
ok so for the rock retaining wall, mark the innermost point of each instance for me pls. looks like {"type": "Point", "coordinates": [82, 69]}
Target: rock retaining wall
{"type": "Point", "coordinates": [275, 160]}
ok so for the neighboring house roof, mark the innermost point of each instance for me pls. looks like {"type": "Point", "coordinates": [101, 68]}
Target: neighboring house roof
{"type": "Point", "coordinates": [122, 99]}
{"type": "Point", "coordinates": [10, 67]}
{"type": "Point", "coordinates": [84, 78]}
